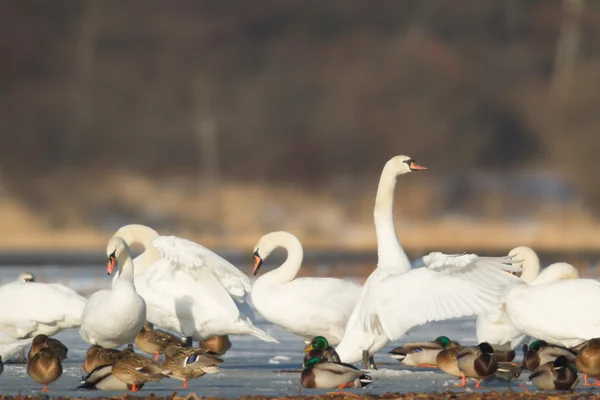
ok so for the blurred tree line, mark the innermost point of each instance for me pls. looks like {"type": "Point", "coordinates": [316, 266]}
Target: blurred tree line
{"type": "Point", "coordinates": [300, 91]}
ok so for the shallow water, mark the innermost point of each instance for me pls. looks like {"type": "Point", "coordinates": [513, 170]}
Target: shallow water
{"type": "Point", "coordinates": [251, 367]}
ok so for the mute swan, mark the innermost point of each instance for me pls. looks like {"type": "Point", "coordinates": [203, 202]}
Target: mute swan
{"type": "Point", "coordinates": [26, 277]}
{"type": "Point", "coordinates": [501, 334]}
{"type": "Point", "coordinates": [189, 289]}
{"type": "Point", "coordinates": [114, 317]}
{"type": "Point", "coordinates": [396, 298]}
{"type": "Point", "coordinates": [49, 308]}
{"type": "Point", "coordinates": [307, 307]}
{"type": "Point", "coordinates": [555, 309]}
{"type": "Point", "coordinates": [9, 347]}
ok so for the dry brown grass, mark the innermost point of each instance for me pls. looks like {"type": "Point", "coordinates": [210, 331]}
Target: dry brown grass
{"type": "Point", "coordinates": [235, 215]}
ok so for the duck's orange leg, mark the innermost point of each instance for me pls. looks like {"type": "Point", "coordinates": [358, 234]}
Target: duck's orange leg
{"type": "Point", "coordinates": [426, 366]}
{"type": "Point", "coordinates": [45, 389]}
{"type": "Point", "coordinates": [463, 382]}
{"type": "Point", "coordinates": [597, 383]}
{"type": "Point", "coordinates": [585, 380]}
{"type": "Point", "coordinates": [134, 388]}
{"type": "Point", "coordinates": [184, 384]}
{"type": "Point", "coordinates": [346, 385]}
{"type": "Point", "coordinates": [477, 386]}
{"type": "Point", "coordinates": [156, 356]}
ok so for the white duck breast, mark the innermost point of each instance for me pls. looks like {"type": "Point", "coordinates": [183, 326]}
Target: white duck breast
{"type": "Point", "coordinates": [556, 312]}
{"type": "Point", "coordinates": [114, 317]}
{"type": "Point", "coordinates": [307, 307]}
{"type": "Point", "coordinates": [395, 298]}
{"type": "Point", "coordinates": [43, 309]}
{"type": "Point", "coordinates": [191, 290]}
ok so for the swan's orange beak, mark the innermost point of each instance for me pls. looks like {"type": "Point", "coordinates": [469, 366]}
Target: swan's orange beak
{"type": "Point", "coordinates": [111, 264]}
{"type": "Point", "coordinates": [416, 167]}
{"type": "Point", "coordinates": [257, 263]}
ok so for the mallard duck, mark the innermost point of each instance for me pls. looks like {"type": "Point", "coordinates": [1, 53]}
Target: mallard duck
{"type": "Point", "coordinates": [476, 362]}
{"type": "Point", "coordinates": [44, 367]}
{"type": "Point", "coordinates": [588, 361]}
{"type": "Point", "coordinates": [134, 370]}
{"type": "Point", "coordinates": [508, 371]}
{"type": "Point", "coordinates": [185, 363]}
{"type": "Point", "coordinates": [540, 352]}
{"type": "Point", "coordinates": [555, 375]}
{"type": "Point", "coordinates": [321, 374]}
{"type": "Point", "coordinates": [97, 356]}
{"type": "Point", "coordinates": [446, 358]}
{"type": "Point", "coordinates": [420, 354]}
{"type": "Point", "coordinates": [319, 347]}
{"type": "Point", "coordinates": [217, 344]}
{"type": "Point", "coordinates": [42, 341]}
{"type": "Point", "coordinates": [102, 378]}
{"type": "Point", "coordinates": [504, 355]}
{"type": "Point", "coordinates": [155, 341]}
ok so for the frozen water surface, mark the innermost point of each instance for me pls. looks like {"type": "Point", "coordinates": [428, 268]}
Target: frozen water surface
{"type": "Point", "coordinates": [251, 367]}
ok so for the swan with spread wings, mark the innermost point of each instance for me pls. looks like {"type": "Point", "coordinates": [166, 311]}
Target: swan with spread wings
{"type": "Point", "coordinates": [190, 289]}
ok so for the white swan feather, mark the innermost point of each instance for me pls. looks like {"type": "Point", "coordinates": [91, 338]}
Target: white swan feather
{"type": "Point", "coordinates": [191, 257]}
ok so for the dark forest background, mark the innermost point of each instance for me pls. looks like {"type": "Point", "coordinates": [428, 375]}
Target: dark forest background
{"type": "Point", "coordinates": [310, 94]}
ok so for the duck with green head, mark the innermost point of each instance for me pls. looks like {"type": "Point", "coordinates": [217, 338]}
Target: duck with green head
{"type": "Point", "coordinates": [321, 374]}
{"type": "Point", "coordinates": [446, 358]}
{"type": "Point", "coordinates": [319, 347]}
{"type": "Point", "coordinates": [555, 375]}
{"type": "Point", "coordinates": [588, 361]}
{"type": "Point", "coordinates": [421, 354]}
{"type": "Point", "coordinates": [477, 362]}
{"type": "Point", "coordinates": [540, 352]}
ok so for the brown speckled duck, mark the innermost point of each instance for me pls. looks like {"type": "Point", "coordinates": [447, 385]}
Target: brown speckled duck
{"type": "Point", "coordinates": [476, 362]}
{"type": "Point", "coordinates": [446, 358]}
{"type": "Point", "coordinates": [97, 356]}
{"type": "Point", "coordinates": [588, 361]}
{"type": "Point", "coordinates": [185, 363]}
{"type": "Point", "coordinates": [42, 341]}
{"type": "Point", "coordinates": [134, 370]}
{"type": "Point", "coordinates": [44, 367]}
{"type": "Point", "coordinates": [155, 341]}
{"type": "Point", "coordinates": [217, 344]}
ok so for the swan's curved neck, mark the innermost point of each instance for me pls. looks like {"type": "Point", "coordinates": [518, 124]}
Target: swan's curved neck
{"type": "Point", "coordinates": [531, 269]}
{"type": "Point", "coordinates": [288, 270]}
{"type": "Point", "coordinates": [389, 250]}
{"type": "Point", "coordinates": [143, 235]}
{"type": "Point", "coordinates": [125, 267]}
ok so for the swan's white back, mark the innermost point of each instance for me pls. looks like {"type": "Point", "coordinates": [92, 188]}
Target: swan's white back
{"type": "Point", "coordinates": [32, 308]}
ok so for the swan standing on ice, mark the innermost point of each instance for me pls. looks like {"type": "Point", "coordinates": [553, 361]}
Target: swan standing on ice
{"type": "Point", "coordinates": [114, 317]}
{"type": "Point", "coordinates": [307, 307]}
{"type": "Point", "coordinates": [502, 334]}
{"type": "Point", "coordinates": [190, 289]}
{"type": "Point", "coordinates": [396, 298]}
{"type": "Point", "coordinates": [49, 308]}
{"type": "Point", "coordinates": [555, 307]}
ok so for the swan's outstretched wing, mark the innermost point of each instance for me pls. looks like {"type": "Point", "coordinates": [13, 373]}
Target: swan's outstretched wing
{"type": "Point", "coordinates": [451, 286]}
{"type": "Point", "coordinates": [191, 256]}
